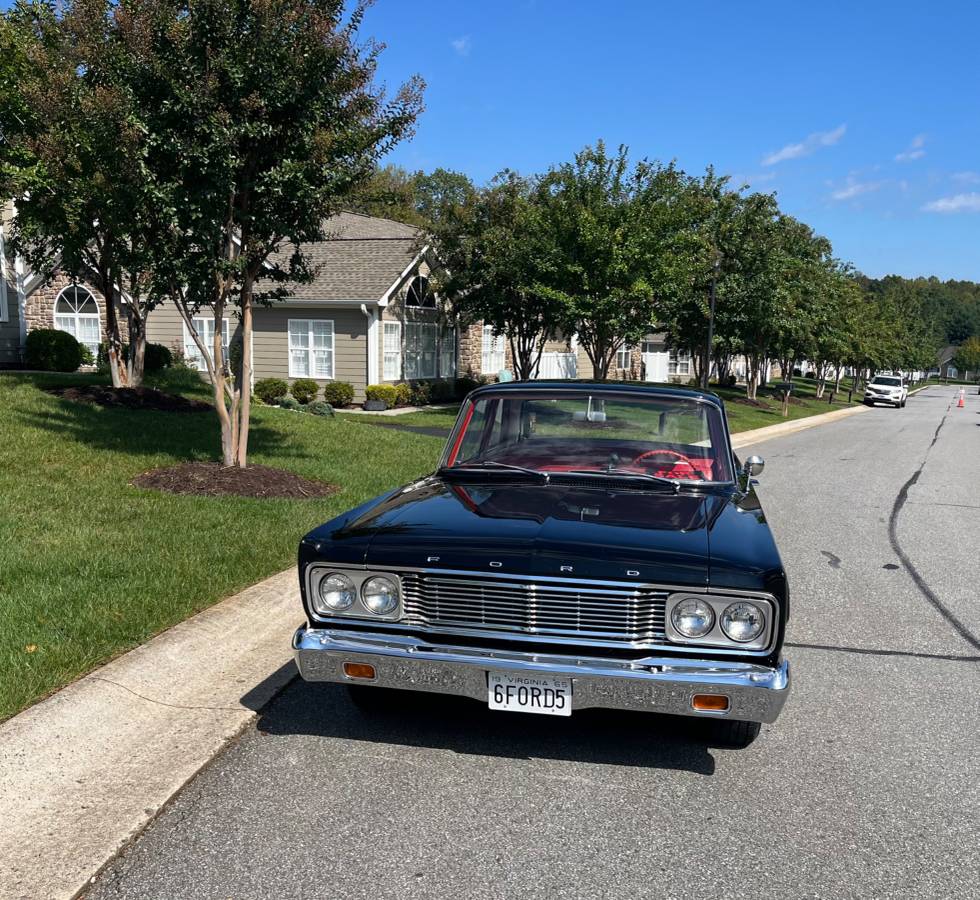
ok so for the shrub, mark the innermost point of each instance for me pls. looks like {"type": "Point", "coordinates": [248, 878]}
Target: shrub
{"type": "Point", "coordinates": [87, 358]}
{"type": "Point", "coordinates": [403, 394]}
{"type": "Point", "coordinates": [338, 393]}
{"type": "Point", "coordinates": [421, 393]}
{"type": "Point", "coordinates": [289, 402]}
{"type": "Point", "coordinates": [52, 351]}
{"type": "Point", "coordinates": [797, 372]}
{"type": "Point", "coordinates": [465, 384]}
{"type": "Point", "coordinates": [305, 390]}
{"type": "Point", "coordinates": [271, 390]}
{"type": "Point", "coordinates": [384, 392]}
{"type": "Point", "coordinates": [443, 391]}
{"type": "Point", "coordinates": [157, 357]}
{"type": "Point", "coordinates": [320, 408]}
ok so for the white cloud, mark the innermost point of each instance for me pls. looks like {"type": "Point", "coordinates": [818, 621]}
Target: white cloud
{"type": "Point", "coordinates": [808, 145]}
{"type": "Point", "coordinates": [914, 150]}
{"type": "Point", "coordinates": [461, 45]}
{"type": "Point", "coordinates": [955, 204]}
{"type": "Point", "coordinates": [855, 188]}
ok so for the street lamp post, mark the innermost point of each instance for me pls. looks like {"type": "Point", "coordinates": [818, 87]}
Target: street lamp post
{"type": "Point", "coordinates": [711, 324]}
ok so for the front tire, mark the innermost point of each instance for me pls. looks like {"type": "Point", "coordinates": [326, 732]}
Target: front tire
{"type": "Point", "coordinates": [735, 734]}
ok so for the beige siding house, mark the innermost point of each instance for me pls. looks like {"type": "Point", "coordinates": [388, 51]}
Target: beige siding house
{"type": "Point", "coordinates": [12, 326]}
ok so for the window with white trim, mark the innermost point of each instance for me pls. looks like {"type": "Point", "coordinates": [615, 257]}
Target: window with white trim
{"type": "Point", "coordinates": [204, 326]}
{"type": "Point", "coordinates": [624, 357]}
{"type": "Point", "coordinates": [418, 295]}
{"type": "Point", "coordinates": [76, 312]}
{"type": "Point", "coordinates": [311, 348]}
{"type": "Point", "coordinates": [680, 362]}
{"type": "Point", "coordinates": [493, 351]}
{"type": "Point", "coordinates": [392, 362]}
{"type": "Point", "coordinates": [421, 350]}
{"type": "Point", "coordinates": [447, 353]}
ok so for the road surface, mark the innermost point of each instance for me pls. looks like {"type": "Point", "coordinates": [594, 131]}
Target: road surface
{"type": "Point", "coordinates": [867, 786]}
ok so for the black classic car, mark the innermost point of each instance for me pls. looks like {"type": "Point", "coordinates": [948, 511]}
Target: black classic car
{"type": "Point", "coordinates": [580, 545]}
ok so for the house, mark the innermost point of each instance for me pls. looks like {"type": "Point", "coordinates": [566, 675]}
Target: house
{"type": "Point", "coordinates": [945, 368]}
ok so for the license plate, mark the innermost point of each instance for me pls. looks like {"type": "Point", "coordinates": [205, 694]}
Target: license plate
{"type": "Point", "coordinates": [531, 694]}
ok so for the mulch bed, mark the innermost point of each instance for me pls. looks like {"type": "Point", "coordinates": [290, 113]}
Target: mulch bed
{"type": "Point", "coordinates": [130, 398]}
{"type": "Point", "coordinates": [207, 479]}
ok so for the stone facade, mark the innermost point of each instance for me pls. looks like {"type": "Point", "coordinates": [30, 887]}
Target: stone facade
{"type": "Point", "coordinates": [39, 306]}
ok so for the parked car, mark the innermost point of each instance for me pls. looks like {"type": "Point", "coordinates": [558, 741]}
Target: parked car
{"type": "Point", "coordinates": [890, 389]}
{"type": "Point", "coordinates": [580, 545]}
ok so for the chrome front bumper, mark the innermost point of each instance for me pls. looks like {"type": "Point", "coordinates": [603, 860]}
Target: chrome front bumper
{"type": "Point", "coordinates": [654, 684]}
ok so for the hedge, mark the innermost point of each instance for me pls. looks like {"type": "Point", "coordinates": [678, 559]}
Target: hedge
{"type": "Point", "coordinates": [338, 393]}
{"type": "Point", "coordinates": [52, 350]}
{"type": "Point", "coordinates": [386, 392]}
{"type": "Point", "coordinates": [270, 390]}
{"type": "Point", "coordinates": [305, 390]}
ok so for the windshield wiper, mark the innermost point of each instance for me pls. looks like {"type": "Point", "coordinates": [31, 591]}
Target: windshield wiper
{"type": "Point", "coordinates": [492, 464]}
{"type": "Point", "coordinates": [672, 483]}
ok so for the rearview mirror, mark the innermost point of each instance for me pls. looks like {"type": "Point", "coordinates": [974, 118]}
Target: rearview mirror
{"type": "Point", "coordinates": [753, 466]}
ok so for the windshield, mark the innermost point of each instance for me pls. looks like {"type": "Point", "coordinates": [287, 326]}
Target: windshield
{"type": "Point", "coordinates": [890, 382]}
{"type": "Point", "coordinates": [679, 438]}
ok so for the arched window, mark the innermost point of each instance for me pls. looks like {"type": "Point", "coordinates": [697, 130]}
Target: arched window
{"type": "Point", "coordinates": [419, 294]}
{"type": "Point", "coordinates": [76, 312]}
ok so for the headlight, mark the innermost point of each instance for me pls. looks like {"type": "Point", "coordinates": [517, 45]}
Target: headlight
{"type": "Point", "coordinates": [743, 621]}
{"type": "Point", "coordinates": [693, 618]}
{"type": "Point", "coordinates": [380, 595]}
{"type": "Point", "coordinates": [335, 593]}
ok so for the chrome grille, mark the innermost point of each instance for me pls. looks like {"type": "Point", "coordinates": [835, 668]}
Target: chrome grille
{"type": "Point", "coordinates": [594, 613]}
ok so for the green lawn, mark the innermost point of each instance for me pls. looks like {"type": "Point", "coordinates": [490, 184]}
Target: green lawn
{"type": "Point", "coordinates": [90, 566]}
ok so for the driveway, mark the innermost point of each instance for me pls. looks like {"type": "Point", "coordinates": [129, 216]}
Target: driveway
{"type": "Point", "coordinates": [866, 787]}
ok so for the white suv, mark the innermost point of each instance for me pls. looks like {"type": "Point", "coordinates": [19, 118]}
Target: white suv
{"type": "Point", "coordinates": [886, 389]}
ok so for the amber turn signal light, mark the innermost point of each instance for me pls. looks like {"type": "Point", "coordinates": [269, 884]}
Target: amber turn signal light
{"type": "Point", "coordinates": [710, 702]}
{"type": "Point", "coordinates": [360, 670]}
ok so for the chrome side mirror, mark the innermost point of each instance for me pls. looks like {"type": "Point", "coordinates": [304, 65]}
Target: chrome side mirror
{"type": "Point", "coordinates": [753, 466]}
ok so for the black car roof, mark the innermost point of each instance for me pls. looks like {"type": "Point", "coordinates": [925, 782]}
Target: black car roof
{"type": "Point", "coordinates": [611, 387]}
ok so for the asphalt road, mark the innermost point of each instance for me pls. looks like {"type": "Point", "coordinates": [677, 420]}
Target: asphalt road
{"type": "Point", "coordinates": [867, 786]}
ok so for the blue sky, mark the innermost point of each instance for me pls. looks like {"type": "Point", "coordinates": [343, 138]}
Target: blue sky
{"type": "Point", "coordinates": [864, 118]}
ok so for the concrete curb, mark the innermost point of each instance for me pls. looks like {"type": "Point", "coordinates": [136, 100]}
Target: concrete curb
{"type": "Point", "coordinates": [83, 772]}
{"type": "Point", "coordinates": [758, 435]}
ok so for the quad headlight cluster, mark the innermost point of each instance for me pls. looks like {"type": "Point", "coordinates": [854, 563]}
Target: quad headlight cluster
{"type": "Point", "coordinates": [719, 621]}
{"type": "Point", "coordinates": [360, 594]}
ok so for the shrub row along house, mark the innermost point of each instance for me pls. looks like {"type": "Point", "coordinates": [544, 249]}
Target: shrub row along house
{"type": "Point", "coordinates": [369, 317]}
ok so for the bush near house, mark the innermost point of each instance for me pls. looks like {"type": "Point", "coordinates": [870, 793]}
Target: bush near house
{"type": "Point", "coordinates": [270, 390]}
{"type": "Point", "coordinates": [403, 394]}
{"type": "Point", "coordinates": [320, 408]}
{"type": "Point", "coordinates": [51, 350]}
{"type": "Point", "coordinates": [289, 402]}
{"type": "Point", "coordinates": [465, 384]}
{"type": "Point", "coordinates": [338, 393]}
{"type": "Point", "coordinates": [387, 393]}
{"type": "Point", "coordinates": [156, 358]}
{"type": "Point", "coordinates": [305, 390]}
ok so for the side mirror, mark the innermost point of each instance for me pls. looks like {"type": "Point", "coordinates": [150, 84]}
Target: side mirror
{"type": "Point", "coordinates": [753, 466]}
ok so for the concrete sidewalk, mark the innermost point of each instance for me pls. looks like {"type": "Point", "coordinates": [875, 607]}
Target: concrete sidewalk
{"type": "Point", "coordinates": [82, 772]}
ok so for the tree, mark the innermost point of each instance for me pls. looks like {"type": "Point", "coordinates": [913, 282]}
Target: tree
{"type": "Point", "coordinates": [606, 226]}
{"type": "Point", "coordinates": [72, 155]}
{"type": "Point", "coordinates": [490, 251]}
{"type": "Point", "coordinates": [263, 120]}
{"type": "Point", "coordinates": [967, 357]}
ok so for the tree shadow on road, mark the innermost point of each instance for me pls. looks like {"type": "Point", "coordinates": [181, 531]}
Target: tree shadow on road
{"type": "Point", "coordinates": [606, 737]}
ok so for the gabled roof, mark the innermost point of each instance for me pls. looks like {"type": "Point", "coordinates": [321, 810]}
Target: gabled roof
{"type": "Point", "coordinates": [360, 260]}
{"type": "Point", "coordinates": [947, 353]}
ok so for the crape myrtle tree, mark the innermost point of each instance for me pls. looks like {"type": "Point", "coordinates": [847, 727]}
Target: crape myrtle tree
{"type": "Point", "coordinates": [72, 154]}
{"type": "Point", "coordinates": [262, 118]}
{"type": "Point", "coordinates": [491, 256]}
{"type": "Point", "coordinates": [607, 226]}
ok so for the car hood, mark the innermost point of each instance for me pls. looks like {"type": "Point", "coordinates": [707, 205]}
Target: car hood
{"type": "Point", "coordinates": [546, 530]}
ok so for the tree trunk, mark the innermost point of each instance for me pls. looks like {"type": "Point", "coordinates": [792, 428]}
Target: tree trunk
{"type": "Point", "coordinates": [114, 344]}
{"type": "Point", "coordinates": [839, 376]}
{"type": "Point", "coordinates": [137, 344]}
{"type": "Point", "coordinates": [752, 376]}
{"type": "Point", "coordinates": [243, 390]}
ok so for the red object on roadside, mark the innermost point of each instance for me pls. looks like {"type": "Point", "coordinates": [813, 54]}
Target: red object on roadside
{"type": "Point", "coordinates": [961, 404]}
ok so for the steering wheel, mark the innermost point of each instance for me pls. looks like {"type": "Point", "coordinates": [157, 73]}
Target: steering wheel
{"type": "Point", "coordinates": [686, 469]}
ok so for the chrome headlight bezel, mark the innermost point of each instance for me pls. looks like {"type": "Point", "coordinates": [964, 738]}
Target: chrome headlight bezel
{"type": "Point", "coordinates": [716, 636]}
{"type": "Point", "coordinates": [317, 573]}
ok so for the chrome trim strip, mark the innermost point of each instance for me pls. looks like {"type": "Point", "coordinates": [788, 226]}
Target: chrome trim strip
{"type": "Point", "coordinates": [653, 684]}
